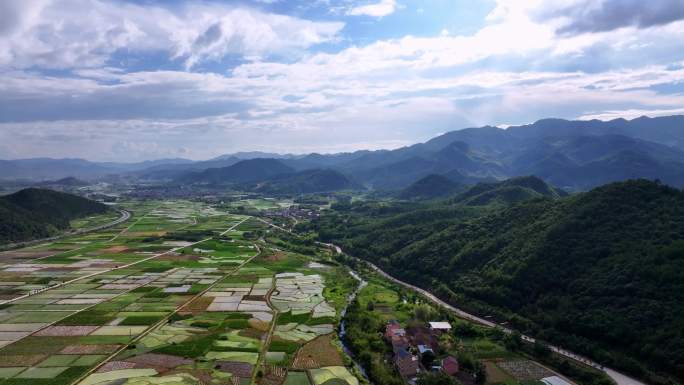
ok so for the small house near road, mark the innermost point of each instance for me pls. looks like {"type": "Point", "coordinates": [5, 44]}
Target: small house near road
{"type": "Point", "coordinates": [554, 380]}
{"type": "Point", "coordinates": [441, 326]}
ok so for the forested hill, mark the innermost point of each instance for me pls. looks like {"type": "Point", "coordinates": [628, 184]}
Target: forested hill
{"type": "Point", "coordinates": [38, 213]}
{"type": "Point", "coordinates": [600, 272]}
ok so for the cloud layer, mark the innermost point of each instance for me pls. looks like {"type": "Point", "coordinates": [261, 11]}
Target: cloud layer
{"type": "Point", "coordinates": [113, 80]}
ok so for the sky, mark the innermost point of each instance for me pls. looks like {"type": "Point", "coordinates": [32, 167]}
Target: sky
{"type": "Point", "coordinates": [149, 79]}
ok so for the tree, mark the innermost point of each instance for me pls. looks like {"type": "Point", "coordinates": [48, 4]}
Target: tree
{"type": "Point", "coordinates": [436, 378]}
{"type": "Point", "coordinates": [422, 312]}
{"type": "Point", "coordinates": [480, 373]}
{"type": "Point", "coordinates": [513, 341]}
{"type": "Point", "coordinates": [541, 349]}
{"type": "Point", "coordinates": [427, 358]}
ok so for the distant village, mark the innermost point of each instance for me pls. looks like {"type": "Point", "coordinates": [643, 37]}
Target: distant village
{"type": "Point", "coordinates": [294, 211]}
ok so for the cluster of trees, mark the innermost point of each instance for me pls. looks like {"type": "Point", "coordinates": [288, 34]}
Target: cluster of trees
{"type": "Point", "coordinates": [38, 213]}
{"type": "Point", "coordinates": [363, 336]}
{"type": "Point", "coordinates": [601, 273]}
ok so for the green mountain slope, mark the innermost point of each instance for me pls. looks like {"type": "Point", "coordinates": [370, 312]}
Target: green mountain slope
{"type": "Point", "coordinates": [37, 213]}
{"type": "Point", "coordinates": [507, 192]}
{"type": "Point", "coordinates": [430, 187]}
{"type": "Point", "coordinates": [307, 181]}
{"type": "Point", "coordinates": [251, 170]}
{"type": "Point", "coordinates": [600, 272]}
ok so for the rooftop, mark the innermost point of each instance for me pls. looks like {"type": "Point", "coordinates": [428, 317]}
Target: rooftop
{"type": "Point", "coordinates": [554, 380]}
{"type": "Point", "coordinates": [442, 325]}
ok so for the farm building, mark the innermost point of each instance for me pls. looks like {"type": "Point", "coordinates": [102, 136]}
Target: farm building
{"type": "Point", "coordinates": [407, 365]}
{"type": "Point", "coordinates": [422, 336]}
{"type": "Point", "coordinates": [422, 349]}
{"type": "Point", "coordinates": [441, 326]}
{"type": "Point", "coordinates": [554, 380]}
{"type": "Point", "coordinates": [392, 329]}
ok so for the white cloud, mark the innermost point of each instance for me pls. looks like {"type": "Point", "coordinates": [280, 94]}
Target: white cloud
{"type": "Point", "coordinates": [86, 33]}
{"type": "Point", "coordinates": [632, 114]}
{"type": "Point", "coordinates": [379, 9]}
{"type": "Point", "coordinates": [251, 34]}
{"type": "Point", "coordinates": [388, 93]}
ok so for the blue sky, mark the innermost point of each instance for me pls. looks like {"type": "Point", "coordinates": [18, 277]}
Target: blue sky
{"type": "Point", "coordinates": [144, 79]}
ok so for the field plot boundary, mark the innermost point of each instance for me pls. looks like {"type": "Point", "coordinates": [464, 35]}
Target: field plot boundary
{"type": "Point", "coordinates": [178, 308]}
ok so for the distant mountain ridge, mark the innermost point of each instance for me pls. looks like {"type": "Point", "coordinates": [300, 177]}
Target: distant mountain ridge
{"type": "Point", "coordinates": [307, 181]}
{"type": "Point", "coordinates": [430, 187]}
{"type": "Point", "coordinates": [573, 155]}
{"type": "Point", "coordinates": [38, 213]}
{"type": "Point", "coordinates": [599, 272]}
{"type": "Point", "coordinates": [507, 192]}
{"type": "Point", "coordinates": [251, 170]}
{"type": "Point", "coordinates": [271, 176]}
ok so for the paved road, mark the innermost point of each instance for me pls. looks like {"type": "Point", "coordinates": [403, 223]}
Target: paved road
{"type": "Point", "coordinates": [116, 267]}
{"type": "Point", "coordinates": [619, 378]}
{"type": "Point", "coordinates": [125, 215]}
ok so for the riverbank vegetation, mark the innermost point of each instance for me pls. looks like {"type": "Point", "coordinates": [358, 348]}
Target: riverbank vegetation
{"type": "Point", "coordinates": [485, 355]}
{"type": "Point", "coordinates": [600, 273]}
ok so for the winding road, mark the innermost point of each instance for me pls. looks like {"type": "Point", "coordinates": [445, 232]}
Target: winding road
{"type": "Point", "coordinates": [619, 378]}
{"type": "Point", "coordinates": [125, 215]}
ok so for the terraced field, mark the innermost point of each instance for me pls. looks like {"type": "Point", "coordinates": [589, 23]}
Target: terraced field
{"type": "Point", "coordinates": [182, 293]}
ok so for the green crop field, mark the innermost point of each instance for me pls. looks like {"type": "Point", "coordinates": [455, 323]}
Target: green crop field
{"type": "Point", "coordinates": [182, 286]}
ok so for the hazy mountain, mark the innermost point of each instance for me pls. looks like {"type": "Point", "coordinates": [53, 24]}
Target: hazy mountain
{"type": "Point", "coordinates": [599, 272]}
{"type": "Point", "coordinates": [37, 213]}
{"type": "Point", "coordinates": [308, 181]}
{"type": "Point", "coordinates": [247, 155]}
{"type": "Point", "coordinates": [252, 170]}
{"type": "Point", "coordinates": [67, 182]}
{"type": "Point", "coordinates": [52, 169]}
{"type": "Point", "coordinates": [430, 187]}
{"type": "Point", "coordinates": [167, 171]}
{"type": "Point", "coordinates": [507, 192]}
{"type": "Point", "coordinates": [575, 155]}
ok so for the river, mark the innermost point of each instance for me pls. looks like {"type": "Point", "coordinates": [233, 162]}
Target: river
{"type": "Point", "coordinates": [617, 377]}
{"type": "Point", "coordinates": [342, 332]}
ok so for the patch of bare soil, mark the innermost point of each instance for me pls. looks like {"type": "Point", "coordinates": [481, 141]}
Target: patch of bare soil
{"type": "Point", "coordinates": [317, 353]}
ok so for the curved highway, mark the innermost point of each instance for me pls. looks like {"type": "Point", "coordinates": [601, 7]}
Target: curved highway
{"type": "Point", "coordinates": [619, 378]}
{"type": "Point", "coordinates": [125, 215]}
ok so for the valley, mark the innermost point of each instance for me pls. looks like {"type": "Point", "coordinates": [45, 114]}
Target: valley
{"type": "Point", "coordinates": [341, 192]}
{"type": "Point", "coordinates": [186, 291]}
{"type": "Point", "coordinates": [182, 292]}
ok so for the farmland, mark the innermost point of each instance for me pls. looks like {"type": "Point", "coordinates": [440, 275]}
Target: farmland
{"type": "Point", "coordinates": [192, 293]}
{"type": "Point", "coordinates": [181, 293]}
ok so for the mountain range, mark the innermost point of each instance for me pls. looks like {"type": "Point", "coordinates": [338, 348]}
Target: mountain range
{"type": "Point", "coordinates": [598, 272]}
{"type": "Point", "coordinates": [573, 155]}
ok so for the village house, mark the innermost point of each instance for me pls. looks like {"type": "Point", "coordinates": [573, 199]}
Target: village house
{"type": "Point", "coordinates": [440, 326]}
{"type": "Point", "coordinates": [407, 365]}
{"type": "Point", "coordinates": [422, 349]}
{"type": "Point", "coordinates": [450, 366]}
{"type": "Point", "coordinates": [421, 335]}
{"type": "Point", "coordinates": [393, 328]}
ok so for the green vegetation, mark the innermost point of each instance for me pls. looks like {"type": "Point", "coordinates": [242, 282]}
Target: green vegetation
{"type": "Point", "coordinates": [38, 213]}
{"type": "Point", "coordinates": [430, 187]}
{"type": "Point", "coordinates": [600, 273]}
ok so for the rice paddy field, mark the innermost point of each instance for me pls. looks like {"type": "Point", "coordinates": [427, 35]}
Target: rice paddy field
{"type": "Point", "coordinates": [181, 293]}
